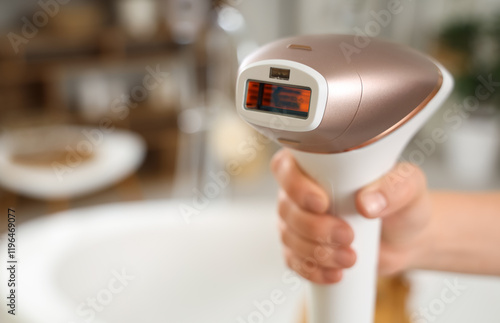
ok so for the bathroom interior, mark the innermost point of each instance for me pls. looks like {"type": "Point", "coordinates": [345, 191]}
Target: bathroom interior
{"type": "Point", "coordinates": [118, 126]}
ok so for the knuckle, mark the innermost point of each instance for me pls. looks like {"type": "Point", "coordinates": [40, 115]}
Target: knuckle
{"type": "Point", "coordinates": [404, 183]}
{"type": "Point", "coordinates": [342, 234]}
{"type": "Point", "coordinates": [284, 236]}
{"type": "Point", "coordinates": [294, 192]}
{"type": "Point", "coordinates": [283, 205]}
{"type": "Point", "coordinates": [328, 231]}
{"type": "Point", "coordinates": [352, 261]}
{"type": "Point", "coordinates": [276, 161]}
{"type": "Point", "coordinates": [323, 253]}
{"type": "Point", "coordinates": [328, 263]}
{"type": "Point", "coordinates": [284, 166]}
{"type": "Point", "coordinates": [335, 261]}
{"type": "Point", "coordinates": [349, 232]}
{"type": "Point", "coordinates": [312, 227]}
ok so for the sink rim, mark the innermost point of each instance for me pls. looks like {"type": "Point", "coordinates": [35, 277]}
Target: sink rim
{"type": "Point", "coordinates": [36, 235]}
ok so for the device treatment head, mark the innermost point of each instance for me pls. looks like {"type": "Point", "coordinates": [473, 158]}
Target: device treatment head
{"type": "Point", "coordinates": [306, 93]}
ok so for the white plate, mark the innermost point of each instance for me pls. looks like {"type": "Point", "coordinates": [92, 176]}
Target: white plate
{"type": "Point", "coordinates": [116, 156]}
{"type": "Point", "coordinates": [223, 267]}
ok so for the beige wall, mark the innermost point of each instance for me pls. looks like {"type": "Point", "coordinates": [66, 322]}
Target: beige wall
{"type": "Point", "coordinates": [418, 20]}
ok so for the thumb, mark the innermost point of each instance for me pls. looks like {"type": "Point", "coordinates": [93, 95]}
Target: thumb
{"type": "Point", "coordinates": [391, 193]}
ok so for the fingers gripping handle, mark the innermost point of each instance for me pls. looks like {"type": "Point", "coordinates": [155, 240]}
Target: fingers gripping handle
{"type": "Point", "coordinates": [353, 298]}
{"type": "Point", "coordinates": [342, 175]}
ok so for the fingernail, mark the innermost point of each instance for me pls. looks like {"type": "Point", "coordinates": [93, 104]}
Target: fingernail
{"type": "Point", "coordinates": [344, 257]}
{"type": "Point", "coordinates": [374, 203]}
{"type": "Point", "coordinates": [316, 204]}
{"type": "Point", "coordinates": [331, 275]}
{"type": "Point", "coordinates": [342, 236]}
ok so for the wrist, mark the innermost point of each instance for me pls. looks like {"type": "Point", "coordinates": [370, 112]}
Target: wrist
{"type": "Point", "coordinates": [423, 254]}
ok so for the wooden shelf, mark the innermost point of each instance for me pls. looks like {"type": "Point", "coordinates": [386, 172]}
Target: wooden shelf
{"type": "Point", "coordinates": [34, 81]}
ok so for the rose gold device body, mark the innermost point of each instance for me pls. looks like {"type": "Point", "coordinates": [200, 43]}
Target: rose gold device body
{"type": "Point", "coordinates": [395, 80]}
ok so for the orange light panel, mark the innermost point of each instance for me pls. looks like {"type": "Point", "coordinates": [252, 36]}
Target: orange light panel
{"type": "Point", "coordinates": [288, 100]}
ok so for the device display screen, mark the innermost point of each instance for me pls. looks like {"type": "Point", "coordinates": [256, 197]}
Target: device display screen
{"type": "Point", "coordinates": [278, 98]}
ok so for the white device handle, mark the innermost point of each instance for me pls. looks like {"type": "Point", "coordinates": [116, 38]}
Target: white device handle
{"type": "Point", "coordinates": [342, 175]}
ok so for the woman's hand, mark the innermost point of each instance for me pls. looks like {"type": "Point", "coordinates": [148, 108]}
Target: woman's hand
{"type": "Point", "coordinates": [317, 244]}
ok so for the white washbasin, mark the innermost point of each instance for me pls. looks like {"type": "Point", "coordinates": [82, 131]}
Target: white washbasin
{"type": "Point", "coordinates": [215, 269]}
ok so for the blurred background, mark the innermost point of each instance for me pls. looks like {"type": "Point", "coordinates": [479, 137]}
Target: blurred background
{"type": "Point", "coordinates": [133, 100]}
{"type": "Point", "coordinates": [159, 76]}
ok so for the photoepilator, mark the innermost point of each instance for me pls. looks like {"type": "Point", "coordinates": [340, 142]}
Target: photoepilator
{"type": "Point", "coordinates": [346, 118]}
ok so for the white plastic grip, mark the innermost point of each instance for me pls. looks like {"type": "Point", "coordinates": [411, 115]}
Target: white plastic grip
{"type": "Point", "coordinates": [342, 175]}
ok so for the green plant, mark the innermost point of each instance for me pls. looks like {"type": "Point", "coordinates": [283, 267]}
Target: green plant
{"type": "Point", "coordinates": [478, 43]}
{"type": "Point", "coordinates": [460, 36]}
